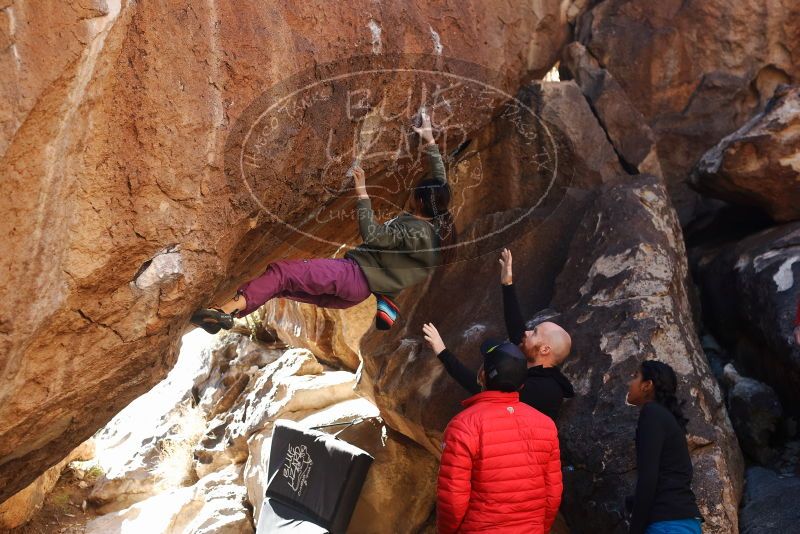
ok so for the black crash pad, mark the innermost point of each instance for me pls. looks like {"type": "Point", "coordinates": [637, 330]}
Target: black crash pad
{"type": "Point", "coordinates": [314, 481]}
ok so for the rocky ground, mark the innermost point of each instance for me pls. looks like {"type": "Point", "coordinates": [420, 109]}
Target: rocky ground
{"type": "Point", "coordinates": [63, 510]}
{"type": "Point", "coordinates": [191, 455]}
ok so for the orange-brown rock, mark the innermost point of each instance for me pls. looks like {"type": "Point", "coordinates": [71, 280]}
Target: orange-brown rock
{"type": "Point", "coordinates": [759, 164]}
{"type": "Point", "coordinates": [332, 335]}
{"type": "Point", "coordinates": [19, 509]}
{"type": "Point", "coordinates": [697, 70]}
{"type": "Point", "coordinates": [119, 219]}
{"type": "Point", "coordinates": [631, 137]}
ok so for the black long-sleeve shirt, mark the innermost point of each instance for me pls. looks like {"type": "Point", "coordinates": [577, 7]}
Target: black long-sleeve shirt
{"type": "Point", "coordinates": [663, 487]}
{"type": "Point", "coordinates": [467, 378]}
{"type": "Point", "coordinates": [545, 387]}
{"type": "Point", "coordinates": [515, 324]}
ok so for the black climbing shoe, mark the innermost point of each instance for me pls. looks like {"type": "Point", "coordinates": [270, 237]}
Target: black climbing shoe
{"type": "Point", "coordinates": [212, 320]}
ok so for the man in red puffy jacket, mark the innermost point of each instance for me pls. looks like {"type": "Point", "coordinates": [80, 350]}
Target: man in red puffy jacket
{"type": "Point", "coordinates": [501, 466]}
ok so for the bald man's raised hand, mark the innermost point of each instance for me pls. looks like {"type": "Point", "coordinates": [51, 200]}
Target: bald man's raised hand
{"type": "Point", "coordinates": [505, 267]}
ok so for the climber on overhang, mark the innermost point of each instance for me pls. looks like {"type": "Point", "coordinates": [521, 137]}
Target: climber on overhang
{"type": "Point", "coordinates": [394, 255]}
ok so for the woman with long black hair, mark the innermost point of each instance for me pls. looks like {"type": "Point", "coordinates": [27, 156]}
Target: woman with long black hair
{"type": "Point", "coordinates": [664, 502]}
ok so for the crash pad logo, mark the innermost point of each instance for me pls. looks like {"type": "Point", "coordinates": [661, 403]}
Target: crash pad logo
{"type": "Point", "coordinates": [297, 468]}
{"type": "Point", "coordinates": [290, 153]}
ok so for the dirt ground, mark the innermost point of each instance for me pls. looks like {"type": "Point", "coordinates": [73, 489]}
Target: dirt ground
{"type": "Point", "coordinates": [63, 509]}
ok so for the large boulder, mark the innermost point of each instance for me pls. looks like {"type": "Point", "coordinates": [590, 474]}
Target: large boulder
{"type": "Point", "coordinates": [409, 385]}
{"type": "Point", "coordinates": [611, 259]}
{"type": "Point", "coordinates": [770, 503]}
{"type": "Point", "coordinates": [758, 164]}
{"type": "Point", "coordinates": [749, 292]}
{"type": "Point", "coordinates": [623, 297]}
{"type": "Point", "coordinates": [118, 217]}
{"type": "Point", "coordinates": [632, 138]}
{"type": "Point", "coordinates": [695, 69]}
{"type": "Point", "coordinates": [756, 414]}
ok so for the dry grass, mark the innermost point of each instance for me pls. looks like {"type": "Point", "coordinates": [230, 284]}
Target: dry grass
{"type": "Point", "coordinates": [175, 466]}
{"type": "Point", "coordinates": [93, 473]}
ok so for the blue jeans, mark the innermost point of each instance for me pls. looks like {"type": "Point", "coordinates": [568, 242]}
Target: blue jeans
{"type": "Point", "coordinates": [679, 526]}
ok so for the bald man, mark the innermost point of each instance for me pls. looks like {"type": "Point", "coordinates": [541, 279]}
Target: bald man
{"type": "Point", "coordinates": [545, 347]}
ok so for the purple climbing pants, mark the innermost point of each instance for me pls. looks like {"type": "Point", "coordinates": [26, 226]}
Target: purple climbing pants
{"type": "Point", "coordinates": [327, 283]}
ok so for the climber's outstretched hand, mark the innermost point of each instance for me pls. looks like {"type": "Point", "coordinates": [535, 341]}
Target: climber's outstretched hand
{"type": "Point", "coordinates": [425, 131]}
{"type": "Point", "coordinates": [505, 268]}
{"type": "Point", "coordinates": [433, 338]}
{"type": "Point", "coordinates": [360, 182]}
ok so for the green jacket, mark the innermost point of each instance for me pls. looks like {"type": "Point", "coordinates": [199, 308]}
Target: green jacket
{"type": "Point", "coordinates": [402, 251]}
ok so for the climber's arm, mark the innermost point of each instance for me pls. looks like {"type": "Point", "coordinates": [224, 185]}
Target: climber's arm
{"type": "Point", "coordinates": [435, 161]}
{"type": "Point", "coordinates": [460, 372]}
{"type": "Point", "coordinates": [425, 132]}
{"type": "Point", "coordinates": [374, 234]}
{"type": "Point", "coordinates": [515, 324]}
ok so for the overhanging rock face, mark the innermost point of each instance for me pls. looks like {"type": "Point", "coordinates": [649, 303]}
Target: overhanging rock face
{"type": "Point", "coordinates": [609, 256]}
{"type": "Point", "coordinates": [162, 154]}
{"type": "Point", "coordinates": [121, 210]}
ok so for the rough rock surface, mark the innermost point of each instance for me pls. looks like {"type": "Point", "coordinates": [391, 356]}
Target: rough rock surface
{"type": "Point", "coordinates": [200, 441]}
{"type": "Point", "coordinates": [409, 384]}
{"type": "Point", "coordinates": [749, 292]}
{"type": "Point", "coordinates": [216, 504]}
{"type": "Point", "coordinates": [696, 69]}
{"type": "Point", "coordinates": [19, 508]}
{"type": "Point", "coordinates": [131, 446]}
{"type": "Point", "coordinates": [770, 503]}
{"type": "Point", "coordinates": [332, 335]}
{"type": "Point", "coordinates": [755, 412]}
{"type": "Point", "coordinates": [759, 164]}
{"type": "Point", "coordinates": [623, 297]}
{"type": "Point", "coordinates": [119, 220]}
{"type": "Point", "coordinates": [632, 138]}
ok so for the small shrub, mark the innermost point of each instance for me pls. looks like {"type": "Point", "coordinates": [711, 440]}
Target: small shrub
{"type": "Point", "coordinates": [61, 500]}
{"type": "Point", "coordinates": [94, 472]}
{"type": "Point", "coordinates": [175, 465]}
